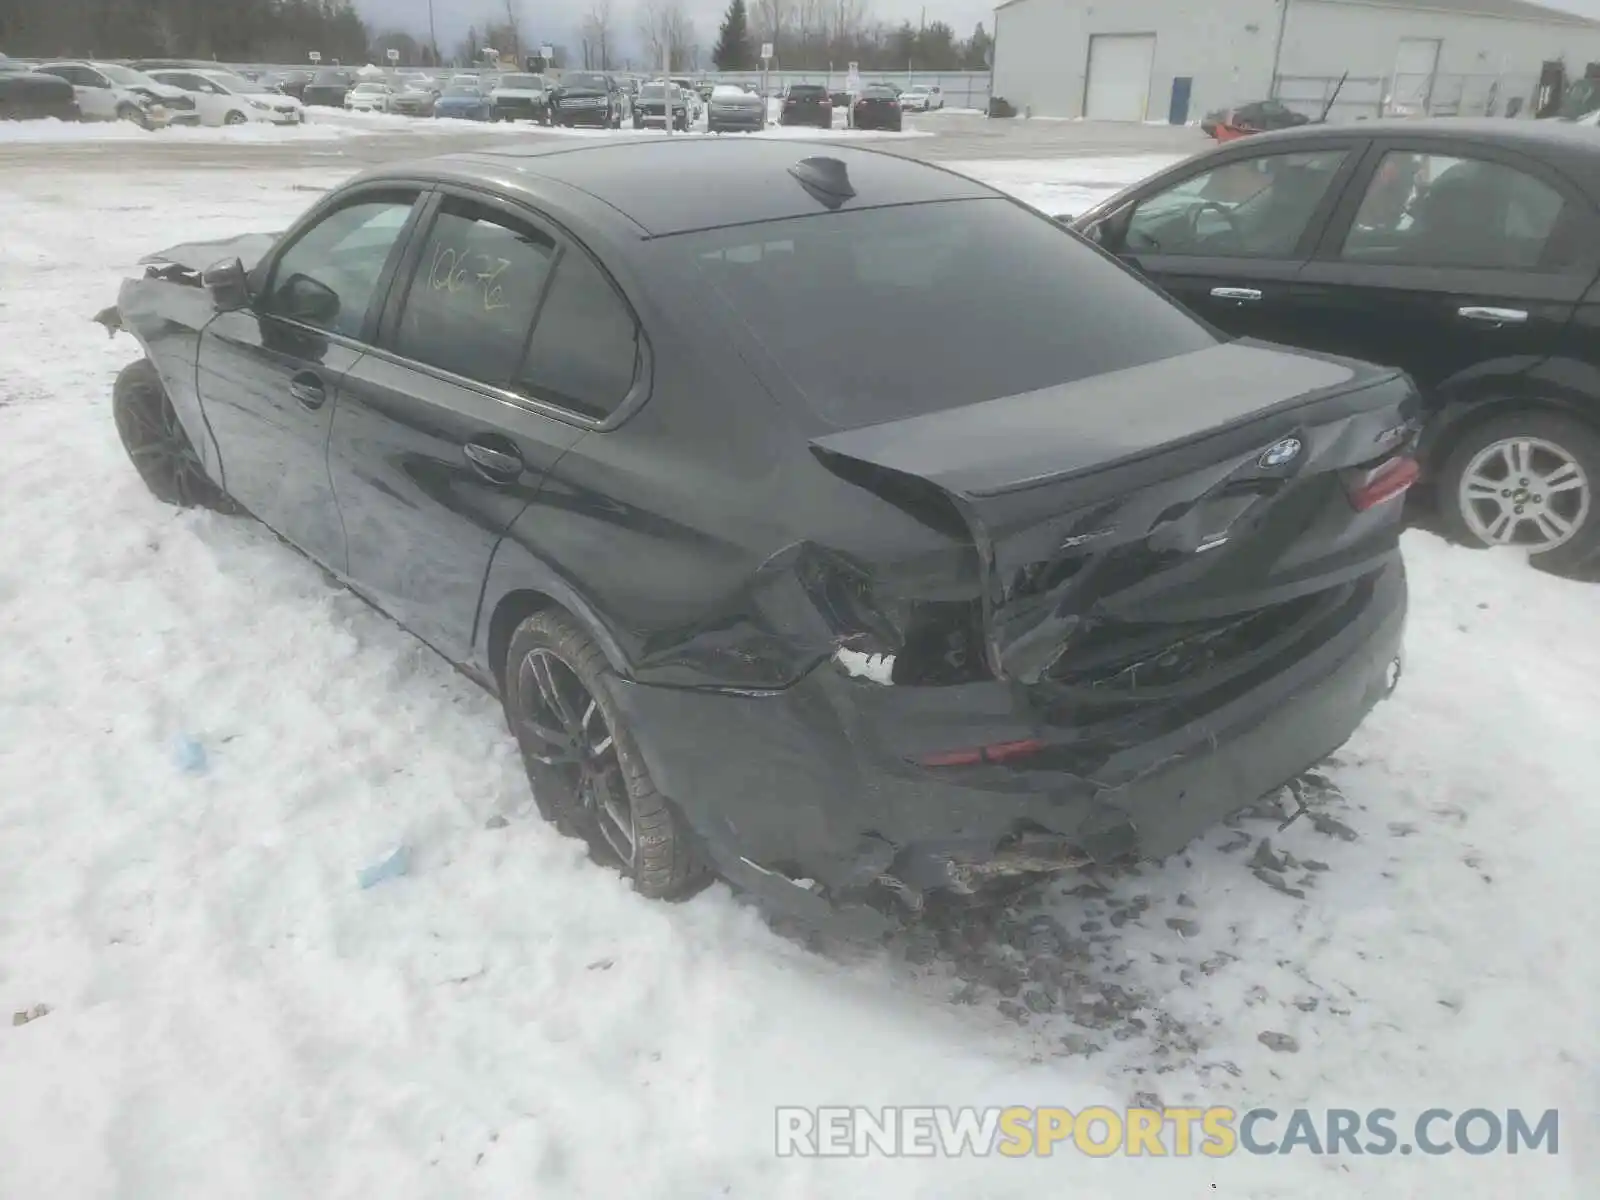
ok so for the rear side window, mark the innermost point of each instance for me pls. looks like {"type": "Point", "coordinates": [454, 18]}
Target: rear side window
{"type": "Point", "coordinates": [1437, 210]}
{"type": "Point", "coordinates": [476, 289]}
{"type": "Point", "coordinates": [879, 314]}
{"type": "Point", "coordinates": [584, 353]}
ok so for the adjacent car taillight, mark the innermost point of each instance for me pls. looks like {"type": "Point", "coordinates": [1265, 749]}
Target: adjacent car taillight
{"type": "Point", "coordinates": [1384, 482]}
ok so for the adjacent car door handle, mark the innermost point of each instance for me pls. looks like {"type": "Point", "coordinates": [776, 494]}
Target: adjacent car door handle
{"type": "Point", "coordinates": [1244, 295]}
{"type": "Point", "coordinates": [308, 390]}
{"type": "Point", "coordinates": [1492, 316]}
{"type": "Point", "coordinates": [502, 466]}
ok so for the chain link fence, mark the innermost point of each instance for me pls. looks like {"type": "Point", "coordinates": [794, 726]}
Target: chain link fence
{"type": "Point", "coordinates": [1436, 95]}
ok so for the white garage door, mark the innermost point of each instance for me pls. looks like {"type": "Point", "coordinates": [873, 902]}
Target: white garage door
{"type": "Point", "coordinates": [1119, 76]}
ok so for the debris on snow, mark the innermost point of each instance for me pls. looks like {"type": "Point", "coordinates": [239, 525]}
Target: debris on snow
{"type": "Point", "coordinates": [1281, 1042]}
{"type": "Point", "coordinates": [29, 1014]}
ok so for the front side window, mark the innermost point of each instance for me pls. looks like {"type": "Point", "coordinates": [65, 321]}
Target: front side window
{"type": "Point", "coordinates": [328, 277]}
{"type": "Point", "coordinates": [873, 314]}
{"type": "Point", "coordinates": [1248, 208]}
{"type": "Point", "coordinates": [471, 303]}
{"type": "Point", "coordinates": [1438, 210]}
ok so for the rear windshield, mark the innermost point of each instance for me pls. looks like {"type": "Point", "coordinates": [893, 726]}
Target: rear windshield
{"type": "Point", "coordinates": [807, 91]}
{"type": "Point", "coordinates": [525, 83]}
{"type": "Point", "coordinates": [595, 83]}
{"type": "Point", "coordinates": [329, 77]}
{"type": "Point", "coordinates": [463, 89]}
{"type": "Point", "coordinates": [879, 314]}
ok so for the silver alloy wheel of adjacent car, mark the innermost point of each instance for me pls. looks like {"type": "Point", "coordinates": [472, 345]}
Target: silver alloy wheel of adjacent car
{"type": "Point", "coordinates": [1526, 492]}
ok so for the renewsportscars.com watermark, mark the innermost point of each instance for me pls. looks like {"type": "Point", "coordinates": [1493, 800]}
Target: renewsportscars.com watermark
{"type": "Point", "coordinates": [1019, 1132]}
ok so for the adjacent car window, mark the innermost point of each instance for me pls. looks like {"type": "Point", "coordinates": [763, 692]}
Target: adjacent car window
{"type": "Point", "coordinates": [1249, 208]}
{"type": "Point", "coordinates": [477, 287]}
{"type": "Point", "coordinates": [584, 353]}
{"type": "Point", "coordinates": [874, 313]}
{"type": "Point", "coordinates": [1437, 210]}
{"type": "Point", "coordinates": [327, 278]}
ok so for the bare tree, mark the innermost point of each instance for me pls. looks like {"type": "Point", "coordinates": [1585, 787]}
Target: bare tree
{"type": "Point", "coordinates": [597, 25]}
{"type": "Point", "coordinates": [665, 29]}
{"type": "Point", "coordinates": [514, 28]}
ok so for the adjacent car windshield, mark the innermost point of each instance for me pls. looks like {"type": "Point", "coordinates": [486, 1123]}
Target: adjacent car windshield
{"type": "Point", "coordinates": [593, 82]}
{"type": "Point", "coordinates": [463, 89]}
{"type": "Point", "coordinates": [873, 313]}
{"type": "Point", "coordinates": [522, 83]}
{"type": "Point", "coordinates": [651, 91]}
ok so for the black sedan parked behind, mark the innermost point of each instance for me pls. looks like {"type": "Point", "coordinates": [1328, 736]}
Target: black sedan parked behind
{"type": "Point", "coordinates": [877, 107]}
{"type": "Point", "coordinates": [26, 94]}
{"type": "Point", "coordinates": [840, 611]}
{"type": "Point", "coordinates": [1466, 252]}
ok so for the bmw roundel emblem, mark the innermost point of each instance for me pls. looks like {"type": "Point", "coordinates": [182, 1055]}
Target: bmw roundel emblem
{"type": "Point", "coordinates": [1280, 454]}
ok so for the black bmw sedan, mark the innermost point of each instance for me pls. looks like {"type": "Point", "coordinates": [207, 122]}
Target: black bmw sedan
{"type": "Point", "coordinates": [1465, 251]}
{"type": "Point", "coordinates": [839, 609]}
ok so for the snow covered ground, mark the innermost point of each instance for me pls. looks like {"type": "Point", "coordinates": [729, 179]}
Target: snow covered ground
{"type": "Point", "coordinates": [333, 124]}
{"type": "Point", "coordinates": [231, 1016]}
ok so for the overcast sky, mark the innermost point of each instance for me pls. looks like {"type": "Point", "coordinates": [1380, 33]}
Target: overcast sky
{"type": "Point", "coordinates": [559, 20]}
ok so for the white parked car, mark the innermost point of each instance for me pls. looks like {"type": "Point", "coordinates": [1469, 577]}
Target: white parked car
{"type": "Point", "coordinates": [921, 97]}
{"type": "Point", "coordinates": [223, 98]}
{"type": "Point", "coordinates": [369, 96]}
{"type": "Point", "coordinates": [107, 92]}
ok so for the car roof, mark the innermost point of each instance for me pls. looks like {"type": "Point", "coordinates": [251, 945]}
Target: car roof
{"type": "Point", "coordinates": [666, 186]}
{"type": "Point", "coordinates": [1564, 144]}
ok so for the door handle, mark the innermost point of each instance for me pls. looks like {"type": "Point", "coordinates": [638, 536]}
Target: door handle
{"type": "Point", "coordinates": [1243, 295]}
{"type": "Point", "coordinates": [499, 465]}
{"type": "Point", "coordinates": [1492, 316]}
{"type": "Point", "coordinates": [308, 390]}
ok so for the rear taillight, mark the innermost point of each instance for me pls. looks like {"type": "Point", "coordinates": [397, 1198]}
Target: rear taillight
{"type": "Point", "coordinates": [995, 752]}
{"type": "Point", "coordinates": [1370, 488]}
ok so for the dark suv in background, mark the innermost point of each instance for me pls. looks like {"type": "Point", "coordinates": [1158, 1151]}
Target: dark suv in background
{"type": "Point", "coordinates": [807, 104]}
{"type": "Point", "coordinates": [587, 98]}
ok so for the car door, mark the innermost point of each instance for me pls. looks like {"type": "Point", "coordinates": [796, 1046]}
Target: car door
{"type": "Point", "coordinates": [269, 375]}
{"type": "Point", "coordinates": [441, 439]}
{"type": "Point", "coordinates": [1228, 237]}
{"type": "Point", "coordinates": [1447, 259]}
{"type": "Point", "coordinates": [96, 99]}
{"type": "Point", "coordinates": [206, 103]}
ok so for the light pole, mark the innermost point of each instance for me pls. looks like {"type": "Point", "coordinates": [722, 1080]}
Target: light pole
{"type": "Point", "coordinates": [433, 36]}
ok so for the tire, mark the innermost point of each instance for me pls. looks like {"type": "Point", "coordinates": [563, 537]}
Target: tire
{"type": "Point", "coordinates": [638, 122]}
{"type": "Point", "coordinates": [1485, 451]}
{"type": "Point", "coordinates": [235, 118]}
{"type": "Point", "coordinates": [132, 112]}
{"type": "Point", "coordinates": [157, 445]}
{"type": "Point", "coordinates": [550, 649]}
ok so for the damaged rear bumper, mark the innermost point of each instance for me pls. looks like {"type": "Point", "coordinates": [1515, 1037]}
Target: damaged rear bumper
{"type": "Point", "coordinates": [818, 783]}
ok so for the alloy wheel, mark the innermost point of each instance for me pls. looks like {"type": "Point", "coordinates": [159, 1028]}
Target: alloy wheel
{"type": "Point", "coordinates": [578, 750]}
{"type": "Point", "coordinates": [1525, 492]}
{"type": "Point", "coordinates": [159, 447]}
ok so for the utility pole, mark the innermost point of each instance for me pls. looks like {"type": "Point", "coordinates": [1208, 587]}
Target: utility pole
{"type": "Point", "coordinates": [433, 35]}
{"type": "Point", "coordinates": [1277, 49]}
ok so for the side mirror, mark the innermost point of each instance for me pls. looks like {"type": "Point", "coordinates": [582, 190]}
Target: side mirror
{"type": "Point", "coordinates": [227, 285]}
{"type": "Point", "coordinates": [1062, 218]}
{"type": "Point", "coordinates": [302, 298]}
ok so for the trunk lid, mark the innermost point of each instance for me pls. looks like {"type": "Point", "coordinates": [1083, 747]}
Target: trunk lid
{"type": "Point", "coordinates": [1181, 495]}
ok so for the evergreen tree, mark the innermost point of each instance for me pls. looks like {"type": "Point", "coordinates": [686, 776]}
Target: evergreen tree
{"type": "Point", "coordinates": [733, 50]}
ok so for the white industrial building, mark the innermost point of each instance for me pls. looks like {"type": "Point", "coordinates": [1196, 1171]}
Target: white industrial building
{"type": "Point", "coordinates": [1154, 60]}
